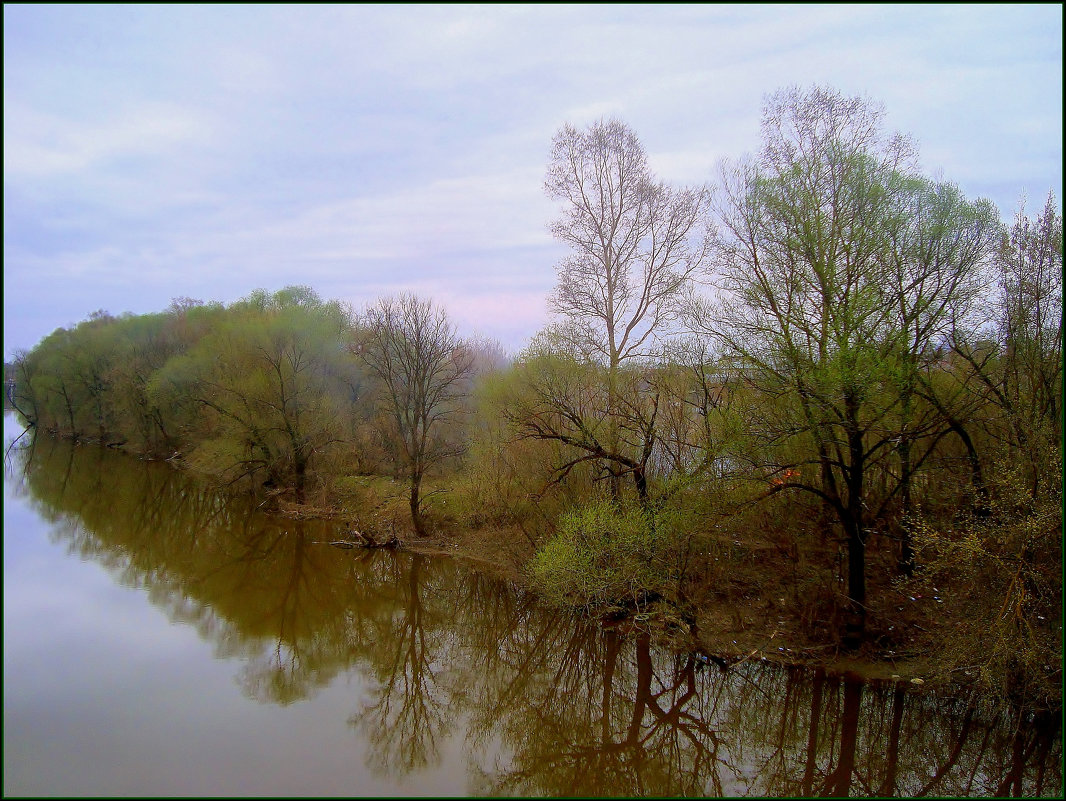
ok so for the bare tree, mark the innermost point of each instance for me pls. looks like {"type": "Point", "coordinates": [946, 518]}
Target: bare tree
{"type": "Point", "coordinates": [20, 392]}
{"type": "Point", "coordinates": [635, 241]}
{"type": "Point", "coordinates": [422, 364]}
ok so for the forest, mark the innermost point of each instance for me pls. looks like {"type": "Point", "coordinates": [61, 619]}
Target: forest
{"type": "Point", "coordinates": [824, 388]}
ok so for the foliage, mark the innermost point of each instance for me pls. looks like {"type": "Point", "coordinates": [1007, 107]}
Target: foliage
{"type": "Point", "coordinates": [604, 554]}
{"type": "Point", "coordinates": [999, 578]}
{"type": "Point", "coordinates": [877, 349]}
{"type": "Point", "coordinates": [265, 388]}
{"type": "Point", "coordinates": [839, 270]}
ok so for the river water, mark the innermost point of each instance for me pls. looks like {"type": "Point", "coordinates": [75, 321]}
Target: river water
{"type": "Point", "coordinates": [162, 639]}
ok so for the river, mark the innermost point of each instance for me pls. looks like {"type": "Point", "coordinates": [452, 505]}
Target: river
{"type": "Point", "coordinates": [163, 639]}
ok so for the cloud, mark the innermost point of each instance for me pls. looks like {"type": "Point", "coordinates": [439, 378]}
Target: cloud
{"type": "Point", "coordinates": [43, 145]}
{"type": "Point", "coordinates": [158, 151]}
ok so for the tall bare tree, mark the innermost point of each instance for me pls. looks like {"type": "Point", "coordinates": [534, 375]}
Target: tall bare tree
{"type": "Point", "coordinates": [422, 364]}
{"type": "Point", "coordinates": [634, 240]}
{"type": "Point", "coordinates": [634, 244]}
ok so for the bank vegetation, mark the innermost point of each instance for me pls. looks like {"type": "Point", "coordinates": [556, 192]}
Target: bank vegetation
{"type": "Point", "coordinates": [820, 396]}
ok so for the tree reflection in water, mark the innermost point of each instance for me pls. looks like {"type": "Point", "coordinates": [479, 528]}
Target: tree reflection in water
{"type": "Point", "coordinates": [545, 704]}
{"type": "Point", "coordinates": [409, 713]}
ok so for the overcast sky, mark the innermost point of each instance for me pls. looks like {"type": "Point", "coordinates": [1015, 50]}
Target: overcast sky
{"type": "Point", "coordinates": [205, 151]}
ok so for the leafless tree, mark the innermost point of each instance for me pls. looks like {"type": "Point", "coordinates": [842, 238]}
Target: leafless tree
{"type": "Point", "coordinates": [422, 364]}
{"type": "Point", "coordinates": [634, 244]}
{"type": "Point", "coordinates": [634, 240]}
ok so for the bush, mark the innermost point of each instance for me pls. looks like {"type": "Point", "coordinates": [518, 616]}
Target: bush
{"type": "Point", "coordinates": [603, 554]}
{"type": "Point", "coordinates": [999, 578]}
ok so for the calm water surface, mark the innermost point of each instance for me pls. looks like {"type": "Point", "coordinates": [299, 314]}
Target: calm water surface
{"type": "Point", "coordinates": [162, 640]}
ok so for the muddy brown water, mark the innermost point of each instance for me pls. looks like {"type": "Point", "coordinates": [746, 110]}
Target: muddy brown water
{"type": "Point", "coordinates": [163, 639]}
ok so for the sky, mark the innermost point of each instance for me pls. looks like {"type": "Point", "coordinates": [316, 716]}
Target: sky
{"type": "Point", "coordinates": [204, 151]}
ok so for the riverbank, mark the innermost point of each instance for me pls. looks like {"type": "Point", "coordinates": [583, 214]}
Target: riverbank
{"type": "Point", "coordinates": [721, 633]}
{"type": "Point", "coordinates": [753, 597]}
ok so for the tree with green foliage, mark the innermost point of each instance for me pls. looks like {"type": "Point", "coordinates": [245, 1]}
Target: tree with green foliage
{"type": "Point", "coordinates": [143, 344]}
{"type": "Point", "coordinates": [838, 270]}
{"type": "Point", "coordinates": [262, 387]}
{"type": "Point", "coordinates": [1004, 382]}
{"type": "Point", "coordinates": [70, 373]}
{"type": "Point", "coordinates": [938, 245]}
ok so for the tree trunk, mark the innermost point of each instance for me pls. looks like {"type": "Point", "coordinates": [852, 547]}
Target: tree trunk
{"type": "Point", "coordinates": [810, 764]}
{"type": "Point", "coordinates": [888, 782]}
{"type": "Point", "coordinates": [641, 480]}
{"type": "Point", "coordinates": [416, 504]}
{"type": "Point", "coordinates": [300, 479]}
{"type": "Point", "coordinates": [839, 781]}
{"type": "Point", "coordinates": [855, 620]}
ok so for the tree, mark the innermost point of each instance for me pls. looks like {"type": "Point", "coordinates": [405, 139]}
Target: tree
{"type": "Point", "coordinates": [1005, 375]}
{"type": "Point", "coordinates": [264, 386]}
{"type": "Point", "coordinates": [143, 345]}
{"type": "Point", "coordinates": [635, 243]}
{"type": "Point", "coordinates": [20, 391]}
{"type": "Point", "coordinates": [938, 246]}
{"type": "Point", "coordinates": [838, 268]}
{"type": "Point", "coordinates": [1012, 355]}
{"type": "Point", "coordinates": [557, 397]}
{"type": "Point", "coordinates": [422, 365]}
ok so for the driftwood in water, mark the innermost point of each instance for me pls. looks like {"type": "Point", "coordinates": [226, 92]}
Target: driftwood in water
{"type": "Point", "coordinates": [361, 540]}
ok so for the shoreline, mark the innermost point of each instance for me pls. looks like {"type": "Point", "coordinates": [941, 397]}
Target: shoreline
{"type": "Point", "coordinates": [721, 646]}
{"type": "Point", "coordinates": [722, 632]}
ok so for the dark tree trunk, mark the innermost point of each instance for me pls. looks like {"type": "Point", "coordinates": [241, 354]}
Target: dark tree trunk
{"type": "Point", "coordinates": [416, 504]}
{"type": "Point", "coordinates": [840, 779]}
{"type": "Point", "coordinates": [855, 621]}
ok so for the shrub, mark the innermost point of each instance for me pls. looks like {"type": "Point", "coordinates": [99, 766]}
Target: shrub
{"type": "Point", "coordinates": [999, 578]}
{"type": "Point", "coordinates": [603, 553]}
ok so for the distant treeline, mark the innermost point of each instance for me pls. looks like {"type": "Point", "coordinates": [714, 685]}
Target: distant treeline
{"type": "Point", "coordinates": [875, 348]}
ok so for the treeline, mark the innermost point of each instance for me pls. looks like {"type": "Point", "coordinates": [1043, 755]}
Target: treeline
{"type": "Point", "coordinates": [826, 350]}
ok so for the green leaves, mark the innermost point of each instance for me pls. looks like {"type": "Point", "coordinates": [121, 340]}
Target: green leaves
{"type": "Point", "coordinates": [602, 554]}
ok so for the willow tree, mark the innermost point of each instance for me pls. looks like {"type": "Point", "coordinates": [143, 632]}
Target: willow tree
{"type": "Point", "coordinates": [833, 285]}
{"type": "Point", "coordinates": [260, 391]}
{"type": "Point", "coordinates": [422, 365]}
{"type": "Point", "coordinates": [69, 376]}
